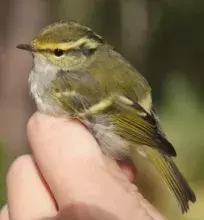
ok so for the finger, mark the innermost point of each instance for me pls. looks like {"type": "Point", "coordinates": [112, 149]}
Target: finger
{"type": "Point", "coordinates": [128, 169]}
{"type": "Point", "coordinates": [4, 214]}
{"type": "Point", "coordinates": [28, 196]}
{"type": "Point", "coordinates": [63, 150]}
{"type": "Point", "coordinates": [72, 164]}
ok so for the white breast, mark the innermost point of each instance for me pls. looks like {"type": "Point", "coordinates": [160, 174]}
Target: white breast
{"type": "Point", "coordinates": [41, 75]}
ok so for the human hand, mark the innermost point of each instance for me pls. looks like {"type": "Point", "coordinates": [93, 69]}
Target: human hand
{"type": "Point", "coordinates": [67, 177]}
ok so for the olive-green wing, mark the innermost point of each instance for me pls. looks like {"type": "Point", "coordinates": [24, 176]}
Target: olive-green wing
{"type": "Point", "coordinates": [134, 124]}
{"type": "Point", "coordinates": [137, 126]}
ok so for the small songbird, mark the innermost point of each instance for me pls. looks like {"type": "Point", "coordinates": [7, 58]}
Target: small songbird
{"type": "Point", "coordinates": [77, 74]}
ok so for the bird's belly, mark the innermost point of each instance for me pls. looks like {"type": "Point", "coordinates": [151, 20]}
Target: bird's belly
{"type": "Point", "coordinates": [110, 143]}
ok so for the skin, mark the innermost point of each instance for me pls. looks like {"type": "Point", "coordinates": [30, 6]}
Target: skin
{"type": "Point", "coordinates": [65, 155]}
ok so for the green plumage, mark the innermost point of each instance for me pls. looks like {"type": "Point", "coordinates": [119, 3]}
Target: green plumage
{"type": "Point", "coordinates": [137, 127]}
{"type": "Point", "coordinates": [77, 73]}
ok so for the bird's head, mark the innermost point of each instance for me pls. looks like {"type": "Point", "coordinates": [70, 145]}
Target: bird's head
{"type": "Point", "coordinates": [66, 45]}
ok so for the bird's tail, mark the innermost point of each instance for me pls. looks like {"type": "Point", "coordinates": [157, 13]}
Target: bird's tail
{"type": "Point", "coordinates": [172, 177]}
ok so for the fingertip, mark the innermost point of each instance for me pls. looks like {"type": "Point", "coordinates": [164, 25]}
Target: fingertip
{"type": "Point", "coordinates": [128, 169]}
{"type": "Point", "coordinates": [45, 131]}
{"type": "Point", "coordinates": [16, 167]}
{"type": "Point", "coordinates": [33, 120]}
{"type": "Point", "coordinates": [37, 122]}
{"type": "Point", "coordinates": [27, 192]}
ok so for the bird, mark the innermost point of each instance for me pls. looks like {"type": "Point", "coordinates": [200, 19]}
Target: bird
{"type": "Point", "coordinates": [77, 74]}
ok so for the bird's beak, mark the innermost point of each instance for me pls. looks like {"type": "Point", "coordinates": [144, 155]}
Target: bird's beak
{"type": "Point", "coordinates": [27, 47]}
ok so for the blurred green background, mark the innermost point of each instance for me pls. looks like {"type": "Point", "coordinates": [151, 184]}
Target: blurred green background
{"type": "Point", "coordinates": [164, 40]}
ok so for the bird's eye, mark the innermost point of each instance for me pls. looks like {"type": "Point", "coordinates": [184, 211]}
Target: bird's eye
{"type": "Point", "coordinates": [58, 52]}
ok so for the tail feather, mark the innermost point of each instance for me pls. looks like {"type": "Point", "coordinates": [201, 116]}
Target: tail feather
{"type": "Point", "coordinates": [173, 178]}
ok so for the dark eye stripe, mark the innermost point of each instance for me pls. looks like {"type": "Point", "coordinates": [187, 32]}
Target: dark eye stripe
{"type": "Point", "coordinates": [87, 51]}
